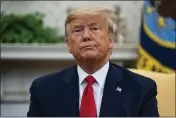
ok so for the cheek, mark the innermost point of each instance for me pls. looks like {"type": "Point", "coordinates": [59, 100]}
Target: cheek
{"type": "Point", "coordinates": [75, 41]}
{"type": "Point", "coordinates": [103, 40]}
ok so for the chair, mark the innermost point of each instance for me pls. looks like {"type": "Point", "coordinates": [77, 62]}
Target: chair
{"type": "Point", "coordinates": [166, 91]}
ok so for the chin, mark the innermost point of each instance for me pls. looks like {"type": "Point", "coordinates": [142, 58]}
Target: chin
{"type": "Point", "coordinates": [89, 56]}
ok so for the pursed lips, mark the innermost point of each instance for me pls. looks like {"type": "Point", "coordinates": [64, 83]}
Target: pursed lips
{"type": "Point", "coordinates": [88, 46]}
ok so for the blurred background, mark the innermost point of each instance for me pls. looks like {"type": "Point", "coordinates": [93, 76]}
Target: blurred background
{"type": "Point", "coordinates": [32, 43]}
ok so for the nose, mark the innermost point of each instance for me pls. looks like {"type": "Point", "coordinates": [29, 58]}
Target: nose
{"type": "Point", "coordinates": [86, 35]}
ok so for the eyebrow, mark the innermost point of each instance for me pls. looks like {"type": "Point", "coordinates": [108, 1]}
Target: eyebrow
{"type": "Point", "coordinates": [93, 24]}
{"type": "Point", "coordinates": [78, 26]}
{"type": "Point", "coordinates": [81, 26]}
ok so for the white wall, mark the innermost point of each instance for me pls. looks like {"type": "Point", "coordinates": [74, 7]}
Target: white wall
{"type": "Point", "coordinates": [14, 109]}
{"type": "Point", "coordinates": [56, 12]}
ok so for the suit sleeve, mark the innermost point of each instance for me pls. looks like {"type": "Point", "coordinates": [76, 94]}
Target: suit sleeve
{"type": "Point", "coordinates": [150, 105]}
{"type": "Point", "coordinates": [34, 110]}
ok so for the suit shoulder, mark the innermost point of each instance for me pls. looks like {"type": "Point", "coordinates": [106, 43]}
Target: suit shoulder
{"type": "Point", "coordinates": [137, 79]}
{"type": "Point", "coordinates": [52, 77]}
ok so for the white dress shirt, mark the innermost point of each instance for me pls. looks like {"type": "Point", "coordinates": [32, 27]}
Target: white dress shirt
{"type": "Point", "coordinates": [98, 86]}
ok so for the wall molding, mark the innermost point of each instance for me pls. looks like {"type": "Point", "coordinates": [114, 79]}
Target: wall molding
{"type": "Point", "coordinates": [59, 52]}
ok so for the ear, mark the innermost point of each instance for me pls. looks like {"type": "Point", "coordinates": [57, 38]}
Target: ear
{"type": "Point", "coordinates": [111, 43]}
{"type": "Point", "coordinates": [68, 45]}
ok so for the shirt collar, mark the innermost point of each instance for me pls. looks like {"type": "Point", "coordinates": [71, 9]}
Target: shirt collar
{"type": "Point", "coordinates": [99, 75]}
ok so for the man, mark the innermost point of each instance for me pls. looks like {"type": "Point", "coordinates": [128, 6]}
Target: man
{"type": "Point", "coordinates": [95, 87]}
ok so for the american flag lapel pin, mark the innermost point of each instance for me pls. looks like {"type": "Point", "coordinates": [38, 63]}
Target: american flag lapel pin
{"type": "Point", "coordinates": [118, 89]}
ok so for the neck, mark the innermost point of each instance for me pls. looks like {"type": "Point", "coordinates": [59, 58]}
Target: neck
{"type": "Point", "coordinates": [91, 66]}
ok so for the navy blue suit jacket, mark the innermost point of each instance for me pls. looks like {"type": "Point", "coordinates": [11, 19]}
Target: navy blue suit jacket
{"type": "Point", "coordinates": [57, 95]}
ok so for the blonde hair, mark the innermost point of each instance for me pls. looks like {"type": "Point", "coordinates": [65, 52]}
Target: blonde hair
{"type": "Point", "coordinates": [94, 10]}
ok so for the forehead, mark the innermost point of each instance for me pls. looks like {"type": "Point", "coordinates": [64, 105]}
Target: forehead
{"type": "Point", "coordinates": [87, 20]}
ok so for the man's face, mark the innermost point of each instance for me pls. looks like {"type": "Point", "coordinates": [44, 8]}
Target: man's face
{"type": "Point", "coordinates": [88, 37]}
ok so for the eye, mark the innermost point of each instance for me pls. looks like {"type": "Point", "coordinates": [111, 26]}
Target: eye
{"type": "Point", "coordinates": [76, 31]}
{"type": "Point", "coordinates": [95, 29]}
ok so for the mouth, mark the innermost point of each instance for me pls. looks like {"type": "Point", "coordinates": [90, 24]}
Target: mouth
{"type": "Point", "coordinates": [88, 47]}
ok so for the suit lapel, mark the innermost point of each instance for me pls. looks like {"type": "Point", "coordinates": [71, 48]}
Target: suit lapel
{"type": "Point", "coordinates": [71, 93]}
{"type": "Point", "coordinates": [112, 100]}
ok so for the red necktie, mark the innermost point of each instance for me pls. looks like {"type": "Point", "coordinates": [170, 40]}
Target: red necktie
{"type": "Point", "coordinates": [88, 107]}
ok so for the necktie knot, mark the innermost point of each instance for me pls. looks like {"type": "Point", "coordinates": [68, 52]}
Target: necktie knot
{"type": "Point", "coordinates": [90, 80]}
